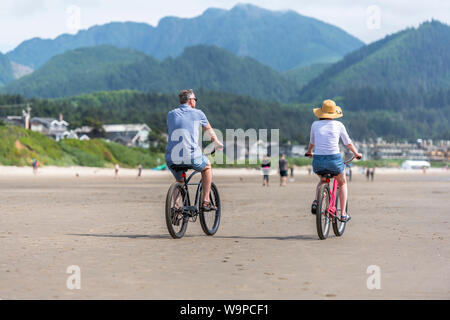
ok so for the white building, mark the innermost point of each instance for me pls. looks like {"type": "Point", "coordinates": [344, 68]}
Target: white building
{"type": "Point", "coordinates": [50, 127]}
{"type": "Point", "coordinates": [132, 135]}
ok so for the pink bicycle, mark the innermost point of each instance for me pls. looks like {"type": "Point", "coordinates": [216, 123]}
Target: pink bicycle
{"type": "Point", "coordinates": [329, 208]}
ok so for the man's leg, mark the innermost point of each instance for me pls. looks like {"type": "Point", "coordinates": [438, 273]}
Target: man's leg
{"type": "Point", "coordinates": [206, 182]}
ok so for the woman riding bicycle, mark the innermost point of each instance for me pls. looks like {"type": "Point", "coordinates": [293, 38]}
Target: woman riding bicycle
{"type": "Point", "coordinates": [324, 139]}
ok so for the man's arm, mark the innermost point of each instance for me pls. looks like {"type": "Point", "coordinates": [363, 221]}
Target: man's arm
{"type": "Point", "coordinates": [213, 135]}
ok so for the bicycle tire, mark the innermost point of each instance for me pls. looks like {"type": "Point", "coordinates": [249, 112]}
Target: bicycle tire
{"type": "Point", "coordinates": [170, 219]}
{"type": "Point", "coordinates": [322, 215]}
{"type": "Point", "coordinates": [338, 226]}
{"type": "Point", "coordinates": [206, 217]}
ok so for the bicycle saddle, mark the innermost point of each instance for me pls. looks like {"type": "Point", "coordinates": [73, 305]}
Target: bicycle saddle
{"type": "Point", "coordinates": [180, 167]}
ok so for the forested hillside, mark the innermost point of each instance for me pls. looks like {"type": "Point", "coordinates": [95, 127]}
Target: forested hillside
{"type": "Point", "coordinates": [108, 68]}
{"type": "Point", "coordinates": [6, 73]}
{"type": "Point", "coordinates": [228, 111]}
{"type": "Point", "coordinates": [405, 70]}
{"type": "Point", "coordinates": [19, 147]}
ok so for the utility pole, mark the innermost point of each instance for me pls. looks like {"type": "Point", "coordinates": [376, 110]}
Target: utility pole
{"type": "Point", "coordinates": [26, 113]}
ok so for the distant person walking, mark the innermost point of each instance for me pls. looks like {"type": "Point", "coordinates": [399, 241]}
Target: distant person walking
{"type": "Point", "coordinates": [348, 173]}
{"type": "Point", "coordinates": [367, 173]}
{"type": "Point", "coordinates": [116, 170]}
{"type": "Point", "coordinates": [291, 168]}
{"type": "Point", "coordinates": [372, 173]}
{"type": "Point", "coordinates": [35, 165]}
{"type": "Point", "coordinates": [265, 167]}
{"type": "Point", "coordinates": [283, 167]}
{"type": "Point", "coordinates": [139, 170]}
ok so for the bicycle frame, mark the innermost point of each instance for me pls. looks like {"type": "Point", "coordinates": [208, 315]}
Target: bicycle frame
{"type": "Point", "coordinates": [332, 205]}
{"type": "Point", "coordinates": [186, 187]}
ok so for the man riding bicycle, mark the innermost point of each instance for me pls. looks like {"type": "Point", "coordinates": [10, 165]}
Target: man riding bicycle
{"type": "Point", "coordinates": [183, 149]}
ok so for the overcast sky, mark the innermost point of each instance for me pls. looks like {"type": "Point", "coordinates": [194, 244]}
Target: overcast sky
{"type": "Point", "coordinates": [368, 20]}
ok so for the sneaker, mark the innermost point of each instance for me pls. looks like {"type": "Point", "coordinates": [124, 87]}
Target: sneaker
{"type": "Point", "coordinates": [346, 218]}
{"type": "Point", "coordinates": [314, 207]}
{"type": "Point", "coordinates": [207, 206]}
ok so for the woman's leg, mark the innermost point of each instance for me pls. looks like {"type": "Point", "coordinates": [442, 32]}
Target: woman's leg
{"type": "Point", "coordinates": [321, 182]}
{"type": "Point", "coordinates": [342, 183]}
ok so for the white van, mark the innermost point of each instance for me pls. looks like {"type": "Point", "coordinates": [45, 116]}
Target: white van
{"type": "Point", "coordinates": [415, 164]}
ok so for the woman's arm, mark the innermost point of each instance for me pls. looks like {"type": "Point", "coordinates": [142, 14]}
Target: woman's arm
{"type": "Point", "coordinates": [310, 148]}
{"type": "Point", "coordinates": [352, 148]}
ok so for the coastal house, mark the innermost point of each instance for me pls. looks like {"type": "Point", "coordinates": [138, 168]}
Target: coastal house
{"type": "Point", "coordinates": [131, 135]}
{"type": "Point", "coordinates": [53, 128]}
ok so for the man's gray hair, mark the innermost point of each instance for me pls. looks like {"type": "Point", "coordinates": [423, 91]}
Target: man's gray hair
{"type": "Point", "coordinates": [185, 95]}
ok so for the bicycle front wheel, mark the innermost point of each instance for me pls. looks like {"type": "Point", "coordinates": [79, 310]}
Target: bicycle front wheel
{"type": "Point", "coordinates": [339, 226]}
{"type": "Point", "coordinates": [322, 214]}
{"type": "Point", "coordinates": [175, 220]}
{"type": "Point", "coordinates": [210, 220]}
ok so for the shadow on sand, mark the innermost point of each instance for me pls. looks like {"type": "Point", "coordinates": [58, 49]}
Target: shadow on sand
{"type": "Point", "coordinates": [166, 236]}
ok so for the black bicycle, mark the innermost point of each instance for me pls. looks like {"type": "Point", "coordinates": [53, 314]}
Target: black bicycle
{"type": "Point", "coordinates": [179, 208]}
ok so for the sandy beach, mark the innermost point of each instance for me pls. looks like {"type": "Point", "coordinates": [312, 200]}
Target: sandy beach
{"type": "Point", "coordinates": [266, 246]}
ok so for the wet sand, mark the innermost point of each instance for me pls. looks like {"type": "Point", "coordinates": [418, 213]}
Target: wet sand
{"type": "Point", "coordinates": [266, 247]}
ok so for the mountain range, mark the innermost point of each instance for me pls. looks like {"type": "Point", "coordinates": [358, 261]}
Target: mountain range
{"type": "Point", "coordinates": [280, 39]}
{"type": "Point", "coordinates": [6, 73]}
{"type": "Point", "coordinates": [413, 64]}
{"type": "Point", "coordinates": [396, 87]}
{"type": "Point", "coordinates": [106, 68]}
{"type": "Point", "coordinates": [412, 60]}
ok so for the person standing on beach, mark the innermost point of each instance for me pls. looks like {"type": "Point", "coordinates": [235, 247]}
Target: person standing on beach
{"type": "Point", "coordinates": [116, 171]}
{"type": "Point", "coordinates": [139, 170]}
{"type": "Point", "coordinates": [283, 167]}
{"type": "Point", "coordinates": [265, 167]}
{"type": "Point", "coordinates": [367, 173]}
{"type": "Point", "coordinates": [372, 173]}
{"type": "Point", "coordinates": [35, 165]}
{"type": "Point", "coordinates": [348, 173]}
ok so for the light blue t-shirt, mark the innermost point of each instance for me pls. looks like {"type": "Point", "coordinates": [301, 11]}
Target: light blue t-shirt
{"type": "Point", "coordinates": [183, 124]}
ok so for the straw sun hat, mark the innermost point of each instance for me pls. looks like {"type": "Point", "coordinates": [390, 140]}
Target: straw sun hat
{"type": "Point", "coordinates": [329, 110]}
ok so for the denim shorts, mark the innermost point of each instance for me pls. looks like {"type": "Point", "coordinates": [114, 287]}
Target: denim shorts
{"type": "Point", "coordinates": [328, 163]}
{"type": "Point", "coordinates": [197, 164]}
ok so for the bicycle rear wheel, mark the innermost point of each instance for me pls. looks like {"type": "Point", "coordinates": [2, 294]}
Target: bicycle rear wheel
{"type": "Point", "coordinates": [322, 215]}
{"type": "Point", "coordinates": [175, 220]}
{"type": "Point", "coordinates": [339, 226]}
{"type": "Point", "coordinates": [210, 220]}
